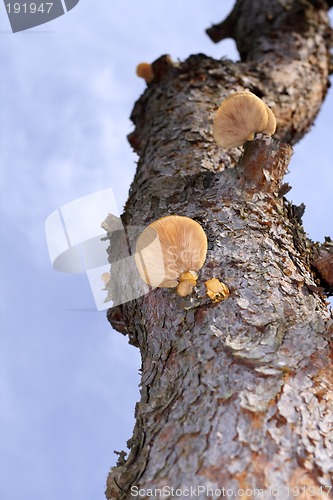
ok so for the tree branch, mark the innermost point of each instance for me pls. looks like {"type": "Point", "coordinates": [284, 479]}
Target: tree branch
{"type": "Point", "coordinates": [271, 37]}
{"type": "Point", "coordinates": [226, 28]}
{"type": "Point", "coordinates": [273, 17]}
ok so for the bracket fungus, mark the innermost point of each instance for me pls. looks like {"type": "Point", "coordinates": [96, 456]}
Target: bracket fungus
{"type": "Point", "coordinates": [144, 70]}
{"type": "Point", "coordinates": [239, 117]}
{"type": "Point", "coordinates": [170, 252]}
{"type": "Point", "coordinates": [216, 290]}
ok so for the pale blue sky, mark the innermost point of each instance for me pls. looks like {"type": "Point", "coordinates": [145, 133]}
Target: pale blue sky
{"type": "Point", "coordinates": [68, 384]}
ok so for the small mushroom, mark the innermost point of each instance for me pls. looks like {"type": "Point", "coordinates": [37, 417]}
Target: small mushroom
{"type": "Point", "coordinates": [105, 277]}
{"type": "Point", "coordinates": [184, 288]}
{"type": "Point", "coordinates": [239, 117]}
{"type": "Point", "coordinates": [216, 290]}
{"type": "Point", "coordinates": [170, 252]}
{"type": "Point", "coordinates": [144, 70]}
{"type": "Point", "coordinates": [187, 282]}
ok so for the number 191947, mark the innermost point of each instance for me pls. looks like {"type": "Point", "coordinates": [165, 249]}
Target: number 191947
{"type": "Point", "coordinates": [29, 8]}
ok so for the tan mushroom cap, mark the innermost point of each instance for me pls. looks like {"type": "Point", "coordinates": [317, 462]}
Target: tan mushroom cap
{"type": "Point", "coordinates": [216, 290]}
{"type": "Point", "coordinates": [105, 277]}
{"type": "Point", "coordinates": [144, 70]}
{"type": "Point", "coordinates": [185, 288]}
{"type": "Point", "coordinates": [168, 249]}
{"type": "Point", "coordinates": [239, 117]}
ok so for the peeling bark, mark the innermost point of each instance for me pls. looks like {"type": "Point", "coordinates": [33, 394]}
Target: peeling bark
{"type": "Point", "coordinates": [237, 394]}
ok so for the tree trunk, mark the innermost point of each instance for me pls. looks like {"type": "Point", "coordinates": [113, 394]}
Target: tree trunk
{"type": "Point", "coordinates": [236, 394]}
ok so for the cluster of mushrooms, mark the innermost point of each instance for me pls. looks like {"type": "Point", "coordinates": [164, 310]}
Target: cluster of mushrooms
{"type": "Point", "coordinates": [171, 251]}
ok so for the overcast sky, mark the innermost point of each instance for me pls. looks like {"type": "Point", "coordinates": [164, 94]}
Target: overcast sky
{"type": "Point", "coordinates": [68, 383]}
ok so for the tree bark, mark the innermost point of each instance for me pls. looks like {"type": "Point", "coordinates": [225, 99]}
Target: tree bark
{"type": "Point", "coordinates": [237, 394]}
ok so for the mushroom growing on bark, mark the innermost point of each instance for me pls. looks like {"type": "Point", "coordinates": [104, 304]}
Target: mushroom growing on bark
{"type": "Point", "coordinates": [144, 70]}
{"type": "Point", "coordinates": [106, 278]}
{"type": "Point", "coordinates": [170, 252]}
{"type": "Point", "coordinates": [239, 117]}
{"type": "Point", "coordinates": [216, 290]}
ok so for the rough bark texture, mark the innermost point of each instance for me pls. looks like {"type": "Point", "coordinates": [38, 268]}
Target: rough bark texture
{"type": "Point", "coordinates": [237, 394]}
